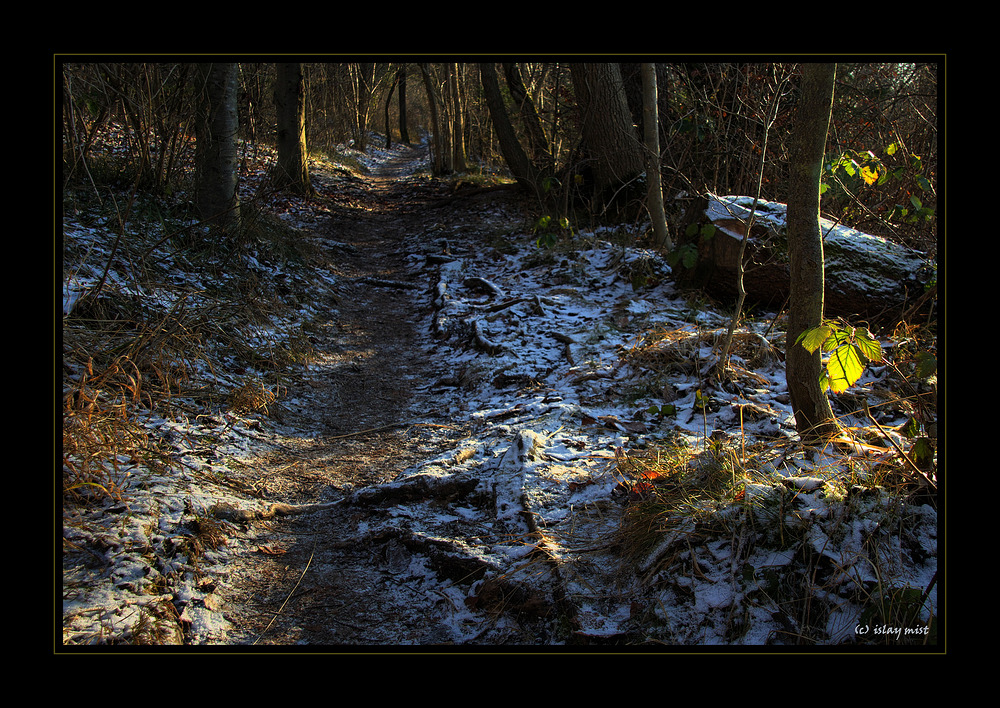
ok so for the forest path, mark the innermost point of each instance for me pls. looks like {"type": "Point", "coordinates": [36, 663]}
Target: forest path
{"type": "Point", "coordinates": [305, 579]}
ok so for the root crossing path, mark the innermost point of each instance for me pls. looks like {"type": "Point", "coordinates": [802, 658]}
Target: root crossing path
{"type": "Point", "coordinates": [310, 574]}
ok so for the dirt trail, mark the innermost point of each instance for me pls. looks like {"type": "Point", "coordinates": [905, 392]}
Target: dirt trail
{"type": "Point", "coordinates": [305, 579]}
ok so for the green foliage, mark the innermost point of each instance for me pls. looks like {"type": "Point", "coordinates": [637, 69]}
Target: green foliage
{"type": "Point", "coordinates": [849, 348]}
{"type": "Point", "coordinates": [926, 365]}
{"type": "Point", "coordinates": [918, 214]}
{"type": "Point", "coordinates": [548, 229]}
{"type": "Point", "coordinates": [686, 254]}
{"type": "Point", "coordinates": [705, 232]}
{"type": "Point", "coordinates": [853, 170]}
{"type": "Point", "coordinates": [662, 411]}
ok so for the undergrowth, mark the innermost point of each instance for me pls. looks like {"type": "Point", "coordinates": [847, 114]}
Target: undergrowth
{"type": "Point", "coordinates": [167, 320]}
{"type": "Point", "coordinates": [812, 543]}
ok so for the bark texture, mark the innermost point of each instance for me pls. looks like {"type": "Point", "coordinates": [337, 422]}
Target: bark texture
{"type": "Point", "coordinates": [606, 126]}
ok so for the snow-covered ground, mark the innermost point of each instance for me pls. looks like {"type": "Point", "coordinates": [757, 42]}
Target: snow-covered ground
{"type": "Point", "coordinates": [578, 368]}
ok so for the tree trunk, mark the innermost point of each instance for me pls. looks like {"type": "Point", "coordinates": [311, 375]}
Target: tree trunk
{"type": "Point", "coordinates": [292, 170]}
{"type": "Point", "coordinates": [651, 137]}
{"type": "Point", "coordinates": [388, 102]}
{"type": "Point", "coordinates": [216, 159]}
{"type": "Point", "coordinates": [517, 161]}
{"type": "Point", "coordinates": [814, 417]}
{"type": "Point", "coordinates": [539, 146]}
{"type": "Point", "coordinates": [458, 121]}
{"type": "Point", "coordinates": [606, 125]}
{"type": "Point", "coordinates": [438, 143]}
{"type": "Point", "coordinates": [404, 133]}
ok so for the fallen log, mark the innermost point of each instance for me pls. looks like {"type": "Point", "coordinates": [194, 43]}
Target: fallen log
{"type": "Point", "coordinates": [868, 278]}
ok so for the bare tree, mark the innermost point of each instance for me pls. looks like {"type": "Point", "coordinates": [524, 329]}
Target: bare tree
{"type": "Point", "coordinates": [520, 165]}
{"type": "Point", "coordinates": [440, 148]}
{"type": "Point", "coordinates": [540, 153]}
{"type": "Point", "coordinates": [456, 113]}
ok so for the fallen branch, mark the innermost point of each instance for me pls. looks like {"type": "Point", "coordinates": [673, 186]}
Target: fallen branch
{"type": "Point", "coordinates": [382, 283]}
{"type": "Point", "coordinates": [483, 285]}
{"type": "Point", "coordinates": [418, 488]}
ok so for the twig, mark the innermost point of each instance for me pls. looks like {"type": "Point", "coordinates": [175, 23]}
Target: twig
{"type": "Point", "coordinates": [289, 597]}
{"type": "Point", "coordinates": [912, 465]}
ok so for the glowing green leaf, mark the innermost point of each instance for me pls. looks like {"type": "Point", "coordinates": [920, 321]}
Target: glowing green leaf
{"type": "Point", "coordinates": [869, 346]}
{"type": "Point", "coordinates": [844, 368]}
{"type": "Point", "coordinates": [813, 339]}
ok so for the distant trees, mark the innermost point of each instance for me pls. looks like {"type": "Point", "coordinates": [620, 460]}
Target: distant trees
{"type": "Point", "coordinates": [363, 78]}
{"type": "Point", "coordinates": [398, 81]}
{"type": "Point", "coordinates": [444, 85]}
{"type": "Point", "coordinates": [572, 130]}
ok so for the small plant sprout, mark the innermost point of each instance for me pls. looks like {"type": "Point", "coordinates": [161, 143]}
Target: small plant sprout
{"type": "Point", "coordinates": [548, 230]}
{"type": "Point", "coordinates": [849, 347]}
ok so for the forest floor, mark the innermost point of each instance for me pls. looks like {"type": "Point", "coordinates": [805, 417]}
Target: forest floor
{"type": "Point", "coordinates": [371, 408]}
{"type": "Point", "coordinates": [493, 444]}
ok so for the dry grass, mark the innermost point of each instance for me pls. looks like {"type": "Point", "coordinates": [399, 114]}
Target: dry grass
{"type": "Point", "coordinates": [173, 351]}
{"type": "Point", "coordinates": [101, 443]}
{"type": "Point", "coordinates": [676, 348]}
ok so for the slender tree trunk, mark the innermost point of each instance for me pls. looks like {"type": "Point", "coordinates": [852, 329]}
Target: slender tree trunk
{"type": "Point", "coordinates": [217, 159]}
{"type": "Point", "coordinates": [457, 122]}
{"type": "Point", "coordinates": [292, 170]}
{"type": "Point", "coordinates": [651, 136]}
{"type": "Point", "coordinates": [438, 144]}
{"type": "Point", "coordinates": [814, 417]}
{"type": "Point", "coordinates": [517, 161]}
{"type": "Point", "coordinates": [388, 102]}
{"type": "Point", "coordinates": [404, 133]}
{"type": "Point", "coordinates": [539, 146]}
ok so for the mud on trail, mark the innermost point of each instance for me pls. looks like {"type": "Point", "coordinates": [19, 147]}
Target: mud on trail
{"type": "Point", "coordinates": [365, 412]}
